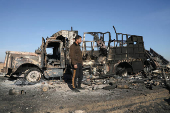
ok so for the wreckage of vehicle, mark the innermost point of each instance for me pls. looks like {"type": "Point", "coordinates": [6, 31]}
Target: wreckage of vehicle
{"type": "Point", "coordinates": [103, 57]}
{"type": "Point", "coordinates": [123, 57]}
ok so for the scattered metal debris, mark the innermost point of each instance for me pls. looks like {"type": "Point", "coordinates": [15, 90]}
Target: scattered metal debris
{"type": "Point", "coordinates": [16, 92]}
{"type": "Point", "coordinates": [22, 81]}
{"type": "Point", "coordinates": [45, 88]}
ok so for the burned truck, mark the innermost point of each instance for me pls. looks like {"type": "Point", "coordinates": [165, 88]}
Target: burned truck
{"type": "Point", "coordinates": [122, 55]}
{"type": "Point", "coordinates": [49, 60]}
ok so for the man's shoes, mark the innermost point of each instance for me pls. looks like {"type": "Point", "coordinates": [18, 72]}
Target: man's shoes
{"type": "Point", "coordinates": [80, 88]}
{"type": "Point", "coordinates": [75, 90]}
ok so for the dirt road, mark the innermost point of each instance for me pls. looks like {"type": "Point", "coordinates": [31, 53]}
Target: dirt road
{"type": "Point", "coordinates": [56, 97]}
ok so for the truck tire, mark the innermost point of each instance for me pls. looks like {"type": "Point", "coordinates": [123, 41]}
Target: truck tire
{"type": "Point", "coordinates": [33, 75]}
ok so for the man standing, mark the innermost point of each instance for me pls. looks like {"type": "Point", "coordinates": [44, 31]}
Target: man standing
{"type": "Point", "coordinates": [76, 61]}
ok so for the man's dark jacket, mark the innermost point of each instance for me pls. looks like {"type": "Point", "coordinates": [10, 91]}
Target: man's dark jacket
{"type": "Point", "coordinates": [75, 54]}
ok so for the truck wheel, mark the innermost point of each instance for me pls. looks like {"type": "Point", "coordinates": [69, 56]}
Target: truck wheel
{"type": "Point", "coordinates": [33, 75]}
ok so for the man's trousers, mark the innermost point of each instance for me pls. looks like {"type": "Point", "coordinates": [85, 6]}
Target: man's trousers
{"type": "Point", "coordinates": [77, 73]}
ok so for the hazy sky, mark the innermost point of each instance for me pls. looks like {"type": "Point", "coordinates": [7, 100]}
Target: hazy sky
{"type": "Point", "coordinates": [24, 22]}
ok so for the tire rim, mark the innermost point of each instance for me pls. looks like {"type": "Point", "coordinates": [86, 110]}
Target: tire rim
{"type": "Point", "coordinates": [33, 76]}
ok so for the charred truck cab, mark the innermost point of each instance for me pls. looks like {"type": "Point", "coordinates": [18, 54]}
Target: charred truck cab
{"type": "Point", "coordinates": [50, 60]}
{"type": "Point", "coordinates": [52, 63]}
{"type": "Point", "coordinates": [55, 62]}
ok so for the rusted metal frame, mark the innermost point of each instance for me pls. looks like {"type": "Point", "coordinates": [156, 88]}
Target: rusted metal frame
{"type": "Point", "coordinates": [62, 60]}
{"type": "Point", "coordinates": [91, 45]}
{"type": "Point", "coordinates": [45, 52]}
{"type": "Point", "coordinates": [103, 38]}
{"type": "Point", "coordinates": [108, 43]}
{"type": "Point", "coordinates": [138, 47]}
{"type": "Point", "coordinates": [65, 54]}
{"type": "Point", "coordinates": [22, 53]}
{"type": "Point", "coordinates": [6, 59]}
{"type": "Point", "coordinates": [83, 42]}
{"type": "Point", "coordinates": [42, 53]}
{"type": "Point", "coordinates": [159, 56]}
{"type": "Point", "coordinates": [127, 48]}
{"type": "Point", "coordinates": [113, 60]}
{"type": "Point", "coordinates": [7, 62]}
{"type": "Point", "coordinates": [122, 47]}
{"type": "Point", "coordinates": [127, 56]}
{"type": "Point", "coordinates": [11, 60]}
{"type": "Point", "coordinates": [47, 42]}
{"type": "Point", "coordinates": [116, 37]}
{"type": "Point", "coordinates": [83, 46]}
{"type": "Point", "coordinates": [91, 42]}
{"type": "Point", "coordinates": [114, 29]}
{"type": "Point", "coordinates": [109, 39]}
{"type": "Point", "coordinates": [133, 50]}
{"type": "Point", "coordinates": [92, 48]}
{"type": "Point", "coordinates": [96, 32]}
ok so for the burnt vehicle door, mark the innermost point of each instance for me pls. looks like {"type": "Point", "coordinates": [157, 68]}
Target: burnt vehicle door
{"type": "Point", "coordinates": [54, 61]}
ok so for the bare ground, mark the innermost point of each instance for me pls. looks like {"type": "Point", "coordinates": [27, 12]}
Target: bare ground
{"type": "Point", "coordinates": [56, 97]}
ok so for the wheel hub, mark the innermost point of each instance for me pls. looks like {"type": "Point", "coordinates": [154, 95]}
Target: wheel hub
{"type": "Point", "coordinates": [33, 76]}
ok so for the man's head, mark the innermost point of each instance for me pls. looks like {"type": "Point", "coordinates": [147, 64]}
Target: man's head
{"type": "Point", "coordinates": [78, 39]}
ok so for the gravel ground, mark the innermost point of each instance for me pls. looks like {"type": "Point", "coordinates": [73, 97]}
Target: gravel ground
{"type": "Point", "coordinates": [56, 97]}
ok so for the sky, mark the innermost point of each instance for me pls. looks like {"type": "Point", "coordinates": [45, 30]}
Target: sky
{"type": "Point", "coordinates": [23, 23]}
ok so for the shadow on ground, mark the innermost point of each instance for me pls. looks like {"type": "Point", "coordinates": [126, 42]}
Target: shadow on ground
{"type": "Point", "coordinates": [67, 77]}
{"type": "Point", "coordinates": [167, 100]}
